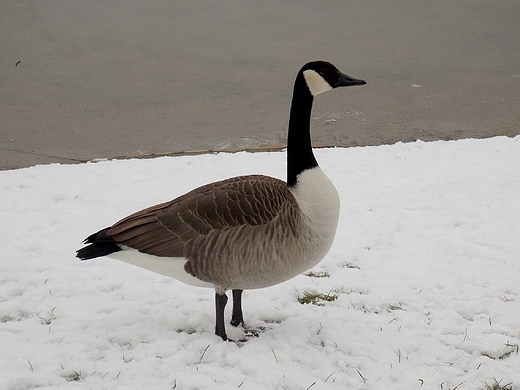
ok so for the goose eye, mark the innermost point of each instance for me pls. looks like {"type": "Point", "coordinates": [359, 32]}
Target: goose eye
{"type": "Point", "coordinates": [323, 72]}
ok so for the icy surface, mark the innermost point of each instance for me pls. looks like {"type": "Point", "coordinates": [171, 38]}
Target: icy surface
{"type": "Point", "coordinates": [425, 266]}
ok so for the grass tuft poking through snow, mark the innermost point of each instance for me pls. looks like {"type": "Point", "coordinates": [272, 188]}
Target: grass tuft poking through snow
{"type": "Point", "coordinates": [317, 274]}
{"type": "Point", "coordinates": [495, 385]}
{"type": "Point", "coordinates": [316, 299]}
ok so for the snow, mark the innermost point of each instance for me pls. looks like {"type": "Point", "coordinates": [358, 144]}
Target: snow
{"type": "Point", "coordinates": [426, 266]}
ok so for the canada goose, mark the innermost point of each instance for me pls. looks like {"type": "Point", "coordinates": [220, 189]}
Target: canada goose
{"type": "Point", "coordinates": [245, 232]}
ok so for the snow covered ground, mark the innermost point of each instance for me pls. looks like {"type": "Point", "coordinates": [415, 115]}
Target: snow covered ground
{"type": "Point", "coordinates": [425, 267]}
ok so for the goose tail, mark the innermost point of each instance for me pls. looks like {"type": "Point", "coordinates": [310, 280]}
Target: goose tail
{"type": "Point", "coordinates": [100, 245]}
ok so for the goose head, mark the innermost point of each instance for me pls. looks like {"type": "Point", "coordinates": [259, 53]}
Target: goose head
{"type": "Point", "coordinates": [321, 76]}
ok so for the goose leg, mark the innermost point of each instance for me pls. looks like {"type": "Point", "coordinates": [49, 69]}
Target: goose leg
{"type": "Point", "coordinates": [236, 317]}
{"type": "Point", "coordinates": [220, 305]}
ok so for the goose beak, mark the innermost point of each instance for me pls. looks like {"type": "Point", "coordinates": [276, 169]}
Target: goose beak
{"type": "Point", "coordinates": [347, 81]}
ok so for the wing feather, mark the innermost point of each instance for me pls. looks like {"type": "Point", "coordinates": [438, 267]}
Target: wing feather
{"type": "Point", "coordinates": [165, 229]}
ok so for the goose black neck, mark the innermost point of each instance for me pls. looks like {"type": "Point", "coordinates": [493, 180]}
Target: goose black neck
{"type": "Point", "coordinates": [299, 149]}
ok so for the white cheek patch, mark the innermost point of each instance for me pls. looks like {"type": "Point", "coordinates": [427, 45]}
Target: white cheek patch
{"type": "Point", "coordinates": [315, 82]}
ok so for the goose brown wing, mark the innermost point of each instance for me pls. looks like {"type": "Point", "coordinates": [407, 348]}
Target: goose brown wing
{"type": "Point", "coordinates": [164, 230]}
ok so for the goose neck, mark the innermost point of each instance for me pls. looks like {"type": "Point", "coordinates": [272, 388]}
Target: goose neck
{"type": "Point", "coordinates": [299, 149]}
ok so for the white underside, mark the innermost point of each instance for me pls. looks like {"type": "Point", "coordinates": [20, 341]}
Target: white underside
{"type": "Point", "coordinates": [167, 266]}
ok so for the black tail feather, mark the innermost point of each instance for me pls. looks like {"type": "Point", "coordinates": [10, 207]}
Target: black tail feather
{"type": "Point", "coordinates": [100, 245]}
